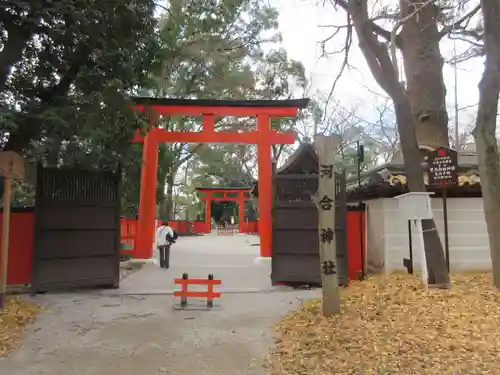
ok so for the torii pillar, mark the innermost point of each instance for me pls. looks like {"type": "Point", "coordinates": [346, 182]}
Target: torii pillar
{"type": "Point", "coordinates": [147, 206]}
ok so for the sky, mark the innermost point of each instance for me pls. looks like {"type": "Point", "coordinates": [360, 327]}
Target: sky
{"type": "Point", "coordinates": [302, 26]}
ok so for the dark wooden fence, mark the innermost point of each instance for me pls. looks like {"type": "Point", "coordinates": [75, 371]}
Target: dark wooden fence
{"type": "Point", "coordinates": [295, 257]}
{"type": "Point", "coordinates": [77, 229]}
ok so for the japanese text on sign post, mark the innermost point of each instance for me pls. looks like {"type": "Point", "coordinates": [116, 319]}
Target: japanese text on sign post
{"type": "Point", "coordinates": [443, 164]}
{"type": "Point", "coordinates": [326, 147]}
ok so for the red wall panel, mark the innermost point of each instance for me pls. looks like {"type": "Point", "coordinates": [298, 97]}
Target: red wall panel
{"type": "Point", "coordinates": [21, 240]}
{"type": "Point", "coordinates": [354, 248]}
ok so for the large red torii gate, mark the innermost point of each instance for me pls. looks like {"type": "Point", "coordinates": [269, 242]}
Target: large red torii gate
{"type": "Point", "coordinates": [264, 137]}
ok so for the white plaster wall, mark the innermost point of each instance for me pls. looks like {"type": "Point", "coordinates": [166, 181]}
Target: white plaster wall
{"type": "Point", "coordinates": [468, 238]}
{"type": "Point", "coordinates": [374, 241]}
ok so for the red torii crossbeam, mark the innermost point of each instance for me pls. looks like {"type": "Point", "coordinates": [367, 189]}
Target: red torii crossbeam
{"type": "Point", "coordinates": [264, 137]}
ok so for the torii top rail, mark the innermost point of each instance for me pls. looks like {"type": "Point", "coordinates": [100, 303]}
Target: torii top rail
{"type": "Point", "coordinates": [264, 137]}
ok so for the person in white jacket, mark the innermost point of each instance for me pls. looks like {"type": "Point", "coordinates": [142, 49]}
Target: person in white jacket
{"type": "Point", "coordinates": [165, 237]}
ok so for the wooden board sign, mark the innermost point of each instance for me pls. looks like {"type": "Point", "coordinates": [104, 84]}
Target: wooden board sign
{"type": "Point", "coordinates": [443, 167]}
{"type": "Point", "coordinates": [12, 165]}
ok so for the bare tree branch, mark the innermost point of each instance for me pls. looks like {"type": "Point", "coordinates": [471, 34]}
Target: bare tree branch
{"type": "Point", "coordinates": [378, 30]}
{"type": "Point", "coordinates": [346, 49]}
{"type": "Point", "coordinates": [460, 22]}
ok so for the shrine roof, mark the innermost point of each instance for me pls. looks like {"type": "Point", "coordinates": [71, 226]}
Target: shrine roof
{"type": "Point", "coordinates": [389, 180]}
{"type": "Point", "coordinates": [168, 102]}
{"type": "Point", "coordinates": [304, 160]}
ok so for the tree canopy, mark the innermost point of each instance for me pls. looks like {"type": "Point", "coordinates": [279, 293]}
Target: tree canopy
{"type": "Point", "coordinates": [68, 68]}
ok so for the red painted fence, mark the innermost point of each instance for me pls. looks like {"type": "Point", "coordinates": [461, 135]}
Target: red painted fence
{"type": "Point", "coordinates": [187, 226]}
{"type": "Point", "coordinates": [21, 239]}
{"type": "Point", "coordinates": [128, 231]}
{"type": "Point", "coordinates": [252, 227]}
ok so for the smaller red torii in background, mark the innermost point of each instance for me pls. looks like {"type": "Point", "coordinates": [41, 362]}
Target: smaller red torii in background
{"type": "Point", "coordinates": [264, 137]}
{"type": "Point", "coordinates": [242, 195]}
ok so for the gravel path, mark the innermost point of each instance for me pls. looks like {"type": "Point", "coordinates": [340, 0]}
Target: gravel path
{"type": "Point", "coordinates": [122, 332]}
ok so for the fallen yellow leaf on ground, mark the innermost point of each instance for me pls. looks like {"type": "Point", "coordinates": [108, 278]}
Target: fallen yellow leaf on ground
{"type": "Point", "coordinates": [392, 326]}
{"type": "Point", "coordinates": [17, 314]}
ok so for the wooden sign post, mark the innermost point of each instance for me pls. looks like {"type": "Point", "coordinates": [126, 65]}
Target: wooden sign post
{"type": "Point", "coordinates": [443, 174]}
{"type": "Point", "coordinates": [11, 167]}
{"type": "Point", "coordinates": [326, 148]}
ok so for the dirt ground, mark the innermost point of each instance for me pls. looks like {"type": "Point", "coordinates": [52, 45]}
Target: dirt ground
{"type": "Point", "coordinates": [136, 331]}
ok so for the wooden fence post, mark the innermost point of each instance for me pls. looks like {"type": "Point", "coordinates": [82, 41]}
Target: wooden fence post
{"type": "Point", "coordinates": [326, 148]}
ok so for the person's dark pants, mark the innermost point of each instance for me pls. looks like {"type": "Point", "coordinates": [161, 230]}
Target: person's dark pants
{"type": "Point", "coordinates": [164, 256]}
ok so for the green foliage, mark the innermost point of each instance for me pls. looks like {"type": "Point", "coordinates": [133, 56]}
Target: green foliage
{"type": "Point", "coordinates": [75, 63]}
{"type": "Point", "coordinates": [23, 194]}
{"type": "Point", "coordinates": [78, 61]}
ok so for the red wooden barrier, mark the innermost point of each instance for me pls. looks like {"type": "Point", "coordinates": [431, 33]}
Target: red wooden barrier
{"type": "Point", "coordinates": [22, 229]}
{"type": "Point", "coordinates": [185, 293]}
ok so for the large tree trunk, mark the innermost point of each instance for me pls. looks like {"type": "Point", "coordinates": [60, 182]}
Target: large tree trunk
{"type": "Point", "coordinates": [423, 64]}
{"type": "Point", "coordinates": [426, 91]}
{"type": "Point", "coordinates": [485, 131]}
{"type": "Point", "coordinates": [436, 261]}
{"type": "Point", "coordinates": [381, 66]}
